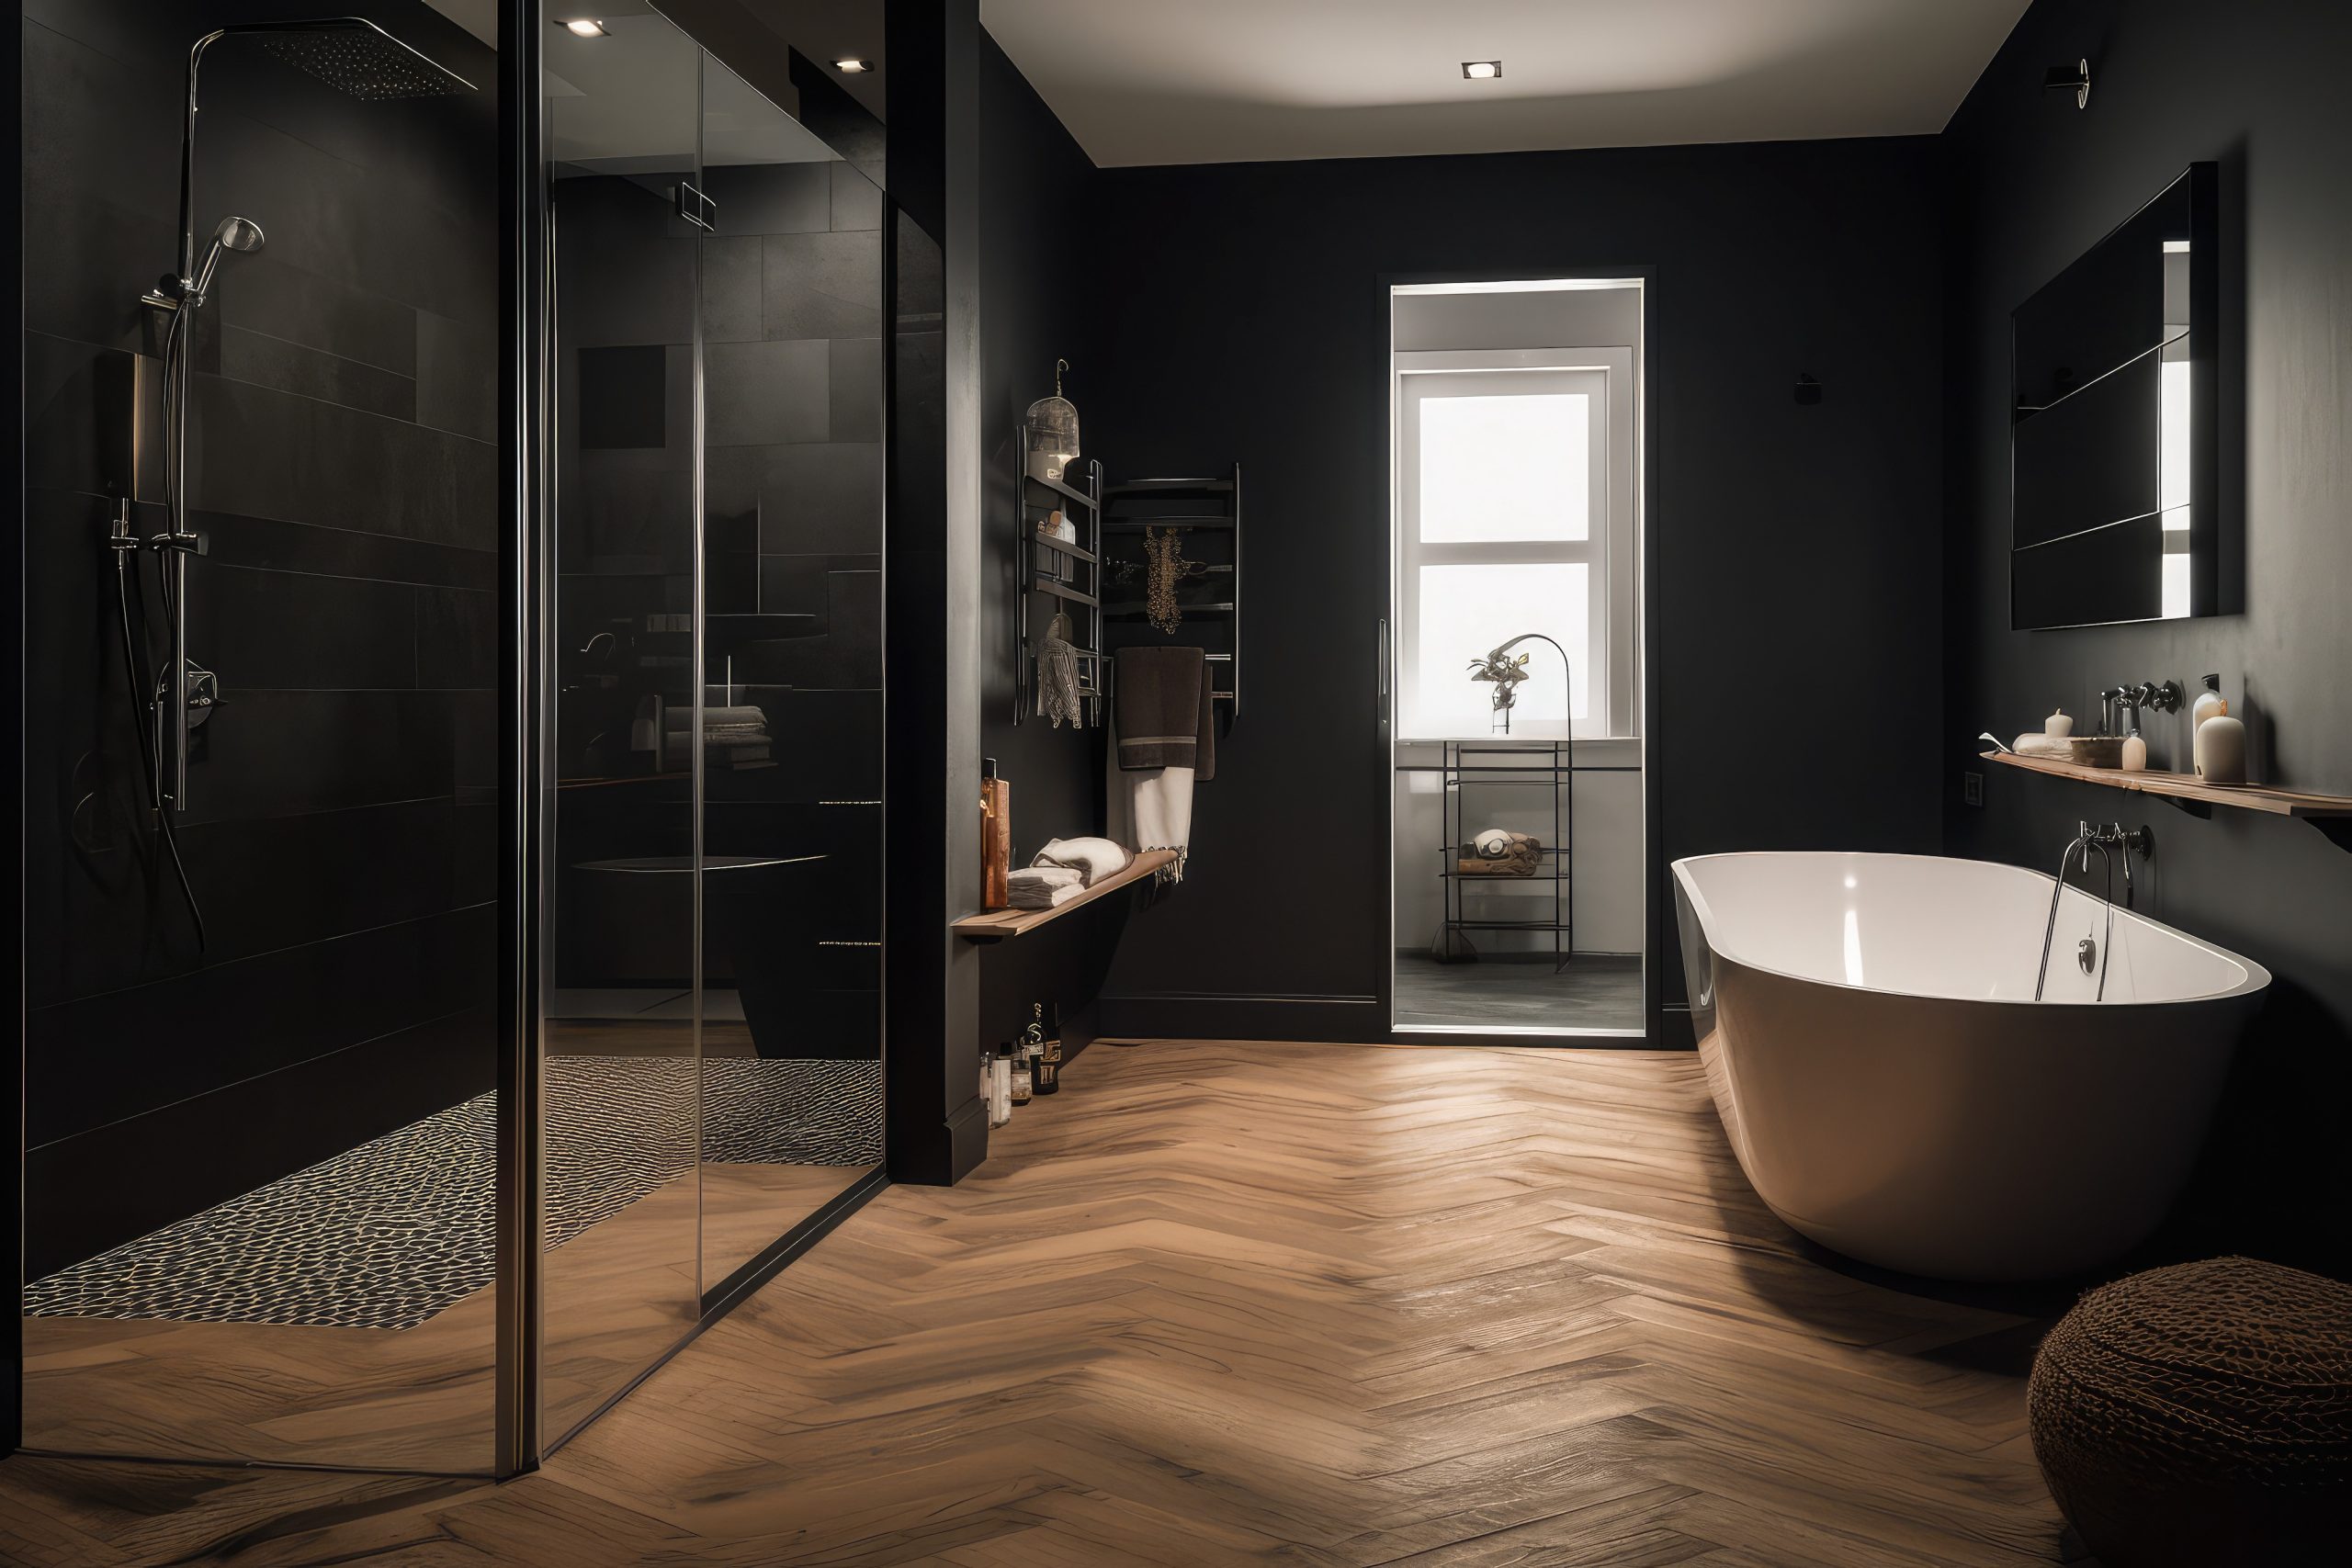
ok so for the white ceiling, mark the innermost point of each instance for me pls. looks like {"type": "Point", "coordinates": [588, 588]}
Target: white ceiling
{"type": "Point", "coordinates": [1232, 80]}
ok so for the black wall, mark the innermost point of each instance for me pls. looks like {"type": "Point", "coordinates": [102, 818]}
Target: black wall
{"type": "Point", "coordinates": [2033, 184]}
{"type": "Point", "coordinates": [1794, 550]}
{"type": "Point", "coordinates": [1036, 203]}
{"type": "Point", "coordinates": [344, 462]}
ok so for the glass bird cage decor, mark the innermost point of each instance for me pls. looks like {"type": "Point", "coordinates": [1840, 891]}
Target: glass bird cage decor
{"type": "Point", "coordinates": [1052, 432]}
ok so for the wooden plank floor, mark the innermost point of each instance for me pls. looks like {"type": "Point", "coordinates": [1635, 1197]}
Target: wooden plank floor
{"type": "Point", "coordinates": [1232, 1304]}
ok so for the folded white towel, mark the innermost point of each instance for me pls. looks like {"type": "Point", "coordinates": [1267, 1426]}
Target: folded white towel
{"type": "Point", "coordinates": [1093, 858]}
{"type": "Point", "coordinates": [1047, 876]}
{"type": "Point", "coordinates": [1043, 894]}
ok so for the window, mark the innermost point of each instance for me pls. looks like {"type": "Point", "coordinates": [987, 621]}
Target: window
{"type": "Point", "coordinates": [1510, 521]}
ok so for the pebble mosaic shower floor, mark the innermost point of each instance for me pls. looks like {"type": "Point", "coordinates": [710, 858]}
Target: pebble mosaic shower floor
{"type": "Point", "coordinates": [389, 1233]}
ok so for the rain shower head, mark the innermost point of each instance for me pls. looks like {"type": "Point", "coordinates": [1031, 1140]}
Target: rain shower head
{"type": "Point", "coordinates": [350, 54]}
{"type": "Point", "coordinates": [354, 55]}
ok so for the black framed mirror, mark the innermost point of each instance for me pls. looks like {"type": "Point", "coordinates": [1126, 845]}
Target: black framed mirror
{"type": "Point", "coordinates": [2116, 428]}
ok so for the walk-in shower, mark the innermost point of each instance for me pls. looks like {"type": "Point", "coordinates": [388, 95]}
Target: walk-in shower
{"type": "Point", "coordinates": [531, 785]}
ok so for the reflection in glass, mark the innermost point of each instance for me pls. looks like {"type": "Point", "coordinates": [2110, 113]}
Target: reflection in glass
{"type": "Point", "coordinates": [621, 1280]}
{"type": "Point", "coordinates": [791, 657]}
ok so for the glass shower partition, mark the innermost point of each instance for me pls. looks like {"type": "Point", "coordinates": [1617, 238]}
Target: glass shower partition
{"type": "Point", "coordinates": [711, 1029]}
{"type": "Point", "coordinates": [621, 1200]}
{"type": "Point", "coordinates": [791, 643]}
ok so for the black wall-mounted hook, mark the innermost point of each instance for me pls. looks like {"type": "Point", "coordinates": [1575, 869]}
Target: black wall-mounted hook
{"type": "Point", "coordinates": [2075, 79]}
{"type": "Point", "coordinates": [1808, 389]}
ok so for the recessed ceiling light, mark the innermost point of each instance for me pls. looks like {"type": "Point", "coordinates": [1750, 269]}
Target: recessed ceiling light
{"type": "Point", "coordinates": [853, 67]}
{"type": "Point", "coordinates": [587, 27]}
{"type": "Point", "coordinates": [1482, 70]}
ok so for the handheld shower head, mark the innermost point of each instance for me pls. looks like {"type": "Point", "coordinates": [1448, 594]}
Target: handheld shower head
{"type": "Point", "coordinates": [235, 234]}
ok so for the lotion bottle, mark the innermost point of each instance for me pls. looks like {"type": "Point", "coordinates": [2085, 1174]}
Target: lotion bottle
{"type": "Point", "coordinates": [2135, 754]}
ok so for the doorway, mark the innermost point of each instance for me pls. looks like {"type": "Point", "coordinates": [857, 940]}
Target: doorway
{"type": "Point", "coordinates": [1515, 706]}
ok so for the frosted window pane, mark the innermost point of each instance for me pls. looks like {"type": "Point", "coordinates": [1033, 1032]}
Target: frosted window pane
{"type": "Point", "coordinates": [1506, 468]}
{"type": "Point", "coordinates": [1466, 611]}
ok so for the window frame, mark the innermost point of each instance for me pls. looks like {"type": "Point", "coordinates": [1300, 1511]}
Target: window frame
{"type": "Point", "coordinates": [1611, 549]}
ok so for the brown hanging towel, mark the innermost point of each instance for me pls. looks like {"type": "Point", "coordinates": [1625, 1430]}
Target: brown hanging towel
{"type": "Point", "coordinates": [1164, 710]}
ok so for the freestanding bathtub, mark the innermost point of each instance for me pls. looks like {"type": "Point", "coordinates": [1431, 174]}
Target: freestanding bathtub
{"type": "Point", "coordinates": [1892, 1088]}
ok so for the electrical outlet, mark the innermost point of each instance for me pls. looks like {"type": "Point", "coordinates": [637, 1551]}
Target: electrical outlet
{"type": "Point", "coordinates": [1971, 789]}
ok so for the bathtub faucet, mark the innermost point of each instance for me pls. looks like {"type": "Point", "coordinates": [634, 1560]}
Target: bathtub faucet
{"type": "Point", "coordinates": [2092, 955]}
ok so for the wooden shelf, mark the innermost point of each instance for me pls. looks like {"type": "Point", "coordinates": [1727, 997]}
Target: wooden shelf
{"type": "Point", "coordinates": [998, 924]}
{"type": "Point", "coordinates": [2186, 788]}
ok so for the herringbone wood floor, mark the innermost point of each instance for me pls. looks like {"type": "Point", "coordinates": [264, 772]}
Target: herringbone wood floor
{"type": "Point", "coordinates": [1228, 1303]}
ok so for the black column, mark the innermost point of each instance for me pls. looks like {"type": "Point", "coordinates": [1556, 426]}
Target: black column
{"type": "Point", "coordinates": [938, 1127]}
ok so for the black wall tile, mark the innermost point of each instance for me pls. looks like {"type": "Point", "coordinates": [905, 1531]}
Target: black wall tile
{"type": "Point", "coordinates": [731, 288]}
{"type": "Point", "coordinates": [261, 292]}
{"type": "Point", "coordinates": [762, 394]}
{"type": "Point", "coordinates": [623, 398]}
{"type": "Point", "coordinates": [281, 546]}
{"type": "Point", "coordinates": [771, 199]}
{"type": "Point", "coordinates": [820, 500]}
{"type": "Point", "coordinates": [457, 376]}
{"type": "Point", "coordinates": [120, 1181]}
{"type": "Point", "coordinates": [855, 387]}
{"type": "Point", "coordinates": [857, 201]}
{"type": "Point", "coordinates": [274, 751]}
{"type": "Point", "coordinates": [286, 631]}
{"type": "Point", "coordinates": [126, 1053]}
{"type": "Point", "coordinates": [822, 286]}
{"type": "Point", "coordinates": [291, 367]}
{"type": "Point", "coordinates": [456, 640]}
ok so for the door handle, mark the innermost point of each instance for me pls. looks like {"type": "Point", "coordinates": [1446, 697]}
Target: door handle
{"type": "Point", "coordinates": [1384, 659]}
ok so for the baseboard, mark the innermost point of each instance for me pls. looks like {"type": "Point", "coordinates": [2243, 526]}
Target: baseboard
{"type": "Point", "coordinates": [1218, 1015]}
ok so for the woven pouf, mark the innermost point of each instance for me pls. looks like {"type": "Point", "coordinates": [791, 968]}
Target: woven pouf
{"type": "Point", "coordinates": [2201, 1416]}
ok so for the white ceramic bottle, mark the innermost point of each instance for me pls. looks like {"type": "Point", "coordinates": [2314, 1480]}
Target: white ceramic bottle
{"type": "Point", "coordinates": [2218, 750]}
{"type": "Point", "coordinates": [2209, 702]}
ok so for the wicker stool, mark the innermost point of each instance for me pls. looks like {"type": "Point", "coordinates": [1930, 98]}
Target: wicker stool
{"type": "Point", "coordinates": [2201, 1416]}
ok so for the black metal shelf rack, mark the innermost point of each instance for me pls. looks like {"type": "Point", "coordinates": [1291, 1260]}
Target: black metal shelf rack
{"type": "Point", "coordinates": [1207, 510]}
{"type": "Point", "coordinates": [1068, 574]}
{"type": "Point", "coordinates": [1543, 764]}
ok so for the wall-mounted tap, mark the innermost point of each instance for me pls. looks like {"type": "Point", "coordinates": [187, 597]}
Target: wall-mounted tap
{"type": "Point", "coordinates": [2111, 709]}
{"type": "Point", "coordinates": [2165, 698]}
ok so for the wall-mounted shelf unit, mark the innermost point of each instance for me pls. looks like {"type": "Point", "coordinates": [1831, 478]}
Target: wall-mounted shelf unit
{"type": "Point", "coordinates": [2187, 791]}
{"type": "Point", "coordinates": [1068, 574]}
{"type": "Point", "coordinates": [998, 925]}
{"type": "Point", "coordinates": [1207, 513]}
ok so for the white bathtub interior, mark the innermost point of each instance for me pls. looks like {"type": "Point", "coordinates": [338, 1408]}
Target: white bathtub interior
{"type": "Point", "coordinates": [1928, 927]}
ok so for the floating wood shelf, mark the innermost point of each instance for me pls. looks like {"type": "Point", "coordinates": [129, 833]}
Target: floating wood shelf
{"type": "Point", "coordinates": [2187, 789]}
{"type": "Point", "coordinates": [998, 924]}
